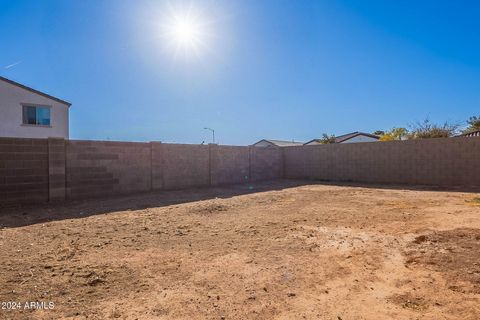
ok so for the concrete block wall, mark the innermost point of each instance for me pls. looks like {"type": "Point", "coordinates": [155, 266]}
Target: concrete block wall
{"type": "Point", "coordinates": [24, 173]}
{"type": "Point", "coordinates": [54, 169]}
{"type": "Point", "coordinates": [266, 163]}
{"type": "Point", "coordinates": [39, 170]}
{"type": "Point", "coordinates": [102, 168]}
{"type": "Point", "coordinates": [183, 166]}
{"type": "Point", "coordinates": [157, 165]}
{"type": "Point", "coordinates": [229, 165]}
{"type": "Point", "coordinates": [441, 162]}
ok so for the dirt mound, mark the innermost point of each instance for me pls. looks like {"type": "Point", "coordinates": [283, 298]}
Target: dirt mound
{"type": "Point", "coordinates": [456, 253]}
{"type": "Point", "coordinates": [210, 208]}
{"type": "Point", "coordinates": [409, 301]}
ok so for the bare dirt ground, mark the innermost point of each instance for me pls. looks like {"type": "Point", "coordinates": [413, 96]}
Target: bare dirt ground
{"type": "Point", "coordinates": [284, 250]}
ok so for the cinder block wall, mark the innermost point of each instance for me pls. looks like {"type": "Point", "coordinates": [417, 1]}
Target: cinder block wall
{"type": "Point", "coordinates": [184, 166]}
{"type": "Point", "coordinates": [266, 163]}
{"type": "Point", "coordinates": [23, 170]}
{"type": "Point", "coordinates": [229, 165]}
{"type": "Point", "coordinates": [102, 168]}
{"type": "Point", "coordinates": [40, 170]}
{"type": "Point", "coordinates": [442, 162]}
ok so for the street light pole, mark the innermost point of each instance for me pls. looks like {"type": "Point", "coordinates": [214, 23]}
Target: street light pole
{"type": "Point", "coordinates": [213, 133]}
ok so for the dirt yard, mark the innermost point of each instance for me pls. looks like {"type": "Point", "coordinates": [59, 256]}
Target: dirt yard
{"type": "Point", "coordinates": [284, 250]}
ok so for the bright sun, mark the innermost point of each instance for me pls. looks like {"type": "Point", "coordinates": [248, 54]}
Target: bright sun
{"type": "Point", "coordinates": [185, 31]}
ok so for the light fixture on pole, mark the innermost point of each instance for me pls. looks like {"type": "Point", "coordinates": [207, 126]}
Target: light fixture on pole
{"type": "Point", "coordinates": [213, 133]}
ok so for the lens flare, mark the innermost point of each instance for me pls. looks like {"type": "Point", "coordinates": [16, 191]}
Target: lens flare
{"type": "Point", "coordinates": [185, 31]}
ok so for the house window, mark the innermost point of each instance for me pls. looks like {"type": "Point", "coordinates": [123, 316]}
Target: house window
{"type": "Point", "coordinates": [36, 115]}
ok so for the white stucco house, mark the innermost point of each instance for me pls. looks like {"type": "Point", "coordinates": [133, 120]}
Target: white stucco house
{"type": "Point", "coordinates": [353, 137]}
{"type": "Point", "coordinates": [276, 143]}
{"type": "Point", "coordinates": [29, 113]}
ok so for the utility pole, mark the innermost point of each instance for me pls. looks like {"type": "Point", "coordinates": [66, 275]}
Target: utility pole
{"type": "Point", "coordinates": [213, 133]}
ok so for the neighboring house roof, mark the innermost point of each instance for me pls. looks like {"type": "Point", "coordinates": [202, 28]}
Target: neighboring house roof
{"type": "Point", "coordinates": [281, 143]}
{"type": "Point", "coordinates": [313, 140]}
{"type": "Point", "coordinates": [472, 134]}
{"type": "Point", "coordinates": [35, 91]}
{"type": "Point", "coordinates": [347, 136]}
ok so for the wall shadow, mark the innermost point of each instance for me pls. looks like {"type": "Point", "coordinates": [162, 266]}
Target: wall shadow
{"type": "Point", "coordinates": [24, 215]}
{"type": "Point", "coordinates": [19, 216]}
{"type": "Point", "coordinates": [461, 189]}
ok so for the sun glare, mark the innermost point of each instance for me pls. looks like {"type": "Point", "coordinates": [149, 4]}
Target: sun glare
{"type": "Point", "coordinates": [185, 31]}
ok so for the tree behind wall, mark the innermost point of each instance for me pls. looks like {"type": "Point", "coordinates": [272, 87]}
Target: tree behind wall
{"type": "Point", "coordinates": [394, 134]}
{"type": "Point", "coordinates": [473, 124]}
{"type": "Point", "coordinates": [327, 139]}
{"type": "Point", "coordinates": [426, 130]}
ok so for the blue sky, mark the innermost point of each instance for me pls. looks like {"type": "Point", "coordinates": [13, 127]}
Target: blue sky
{"type": "Point", "coordinates": [270, 69]}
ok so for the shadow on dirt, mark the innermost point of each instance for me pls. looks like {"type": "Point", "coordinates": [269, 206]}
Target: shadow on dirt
{"type": "Point", "coordinates": [32, 214]}
{"type": "Point", "coordinates": [19, 216]}
{"type": "Point", "coordinates": [386, 186]}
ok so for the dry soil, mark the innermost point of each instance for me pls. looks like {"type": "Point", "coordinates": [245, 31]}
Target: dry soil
{"type": "Point", "coordinates": [282, 250]}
